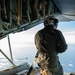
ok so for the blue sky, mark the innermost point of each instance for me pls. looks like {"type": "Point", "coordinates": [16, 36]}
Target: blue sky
{"type": "Point", "coordinates": [67, 26]}
{"type": "Point", "coordinates": [68, 29]}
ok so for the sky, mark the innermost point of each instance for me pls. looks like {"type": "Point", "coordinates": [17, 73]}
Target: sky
{"type": "Point", "coordinates": [68, 29]}
{"type": "Point", "coordinates": [25, 40]}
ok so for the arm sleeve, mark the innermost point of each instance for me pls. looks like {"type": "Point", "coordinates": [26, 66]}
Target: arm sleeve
{"type": "Point", "coordinates": [36, 40]}
{"type": "Point", "coordinates": [62, 46]}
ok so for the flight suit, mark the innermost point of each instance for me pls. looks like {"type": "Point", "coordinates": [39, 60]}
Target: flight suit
{"type": "Point", "coordinates": [49, 43]}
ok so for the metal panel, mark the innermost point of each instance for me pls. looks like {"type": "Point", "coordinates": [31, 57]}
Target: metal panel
{"type": "Point", "coordinates": [66, 6]}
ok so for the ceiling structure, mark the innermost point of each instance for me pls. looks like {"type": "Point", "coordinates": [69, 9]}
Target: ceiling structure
{"type": "Point", "coordinates": [67, 9]}
{"type": "Point", "coordinates": [20, 15]}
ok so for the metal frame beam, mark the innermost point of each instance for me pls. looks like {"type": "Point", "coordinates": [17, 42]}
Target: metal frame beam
{"type": "Point", "coordinates": [7, 57]}
{"type": "Point", "coordinates": [34, 12]}
{"type": "Point", "coordinates": [10, 48]}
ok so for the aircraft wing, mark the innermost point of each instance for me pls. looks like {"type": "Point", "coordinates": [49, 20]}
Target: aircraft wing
{"type": "Point", "coordinates": [20, 15]}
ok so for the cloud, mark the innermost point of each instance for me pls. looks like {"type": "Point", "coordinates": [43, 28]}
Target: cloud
{"type": "Point", "coordinates": [70, 37]}
{"type": "Point", "coordinates": [71, 65]}
{"type": "Point", "coordinates": [1, 66]}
